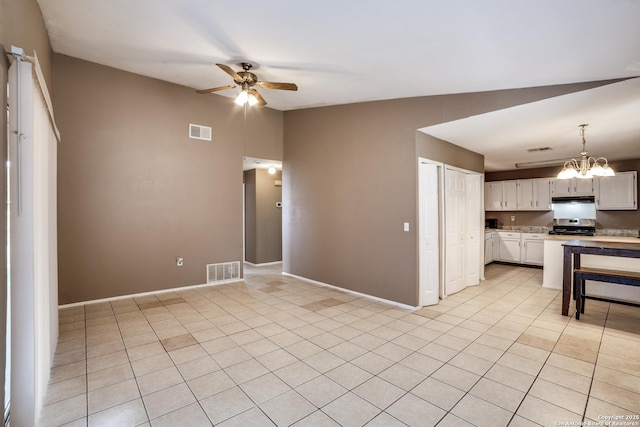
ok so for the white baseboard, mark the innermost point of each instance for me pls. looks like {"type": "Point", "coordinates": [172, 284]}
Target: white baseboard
{"type": "Point", "coordinates": [263, 264]}
{"type": "Point", "coordinates": [224, 282]}
{"type": "Point", "coordinates": [360, 294]}
{"type": "Point", "coordinates": [144, 294]}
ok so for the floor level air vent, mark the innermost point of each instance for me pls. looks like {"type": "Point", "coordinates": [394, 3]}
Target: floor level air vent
{"type": "Point", "coordinates": [199, 132]}
{"type": "Point", "coordinates": [223, 271]}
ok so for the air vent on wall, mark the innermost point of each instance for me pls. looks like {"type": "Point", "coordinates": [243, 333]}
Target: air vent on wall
{"type": "Point", "coordinates": [533, 150]}
{"type": "Point", "coordinates": [223, 271]}
{"type": "Point", "coordinates": [199, 132]}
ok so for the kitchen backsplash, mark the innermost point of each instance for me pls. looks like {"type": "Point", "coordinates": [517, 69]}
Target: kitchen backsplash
{"type": "Point", "coordinates": [527, 228]}
{"type": "Point", "coordinates": [617, 232]}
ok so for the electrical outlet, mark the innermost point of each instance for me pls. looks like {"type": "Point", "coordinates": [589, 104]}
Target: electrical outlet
{"type": "Point", "coordinates": [179, 261]}
{"type": "Point", "coordinates": [513, 218]}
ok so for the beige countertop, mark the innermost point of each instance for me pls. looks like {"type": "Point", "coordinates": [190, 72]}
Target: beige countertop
{"type": "Point", "coordinates": [593, 238]}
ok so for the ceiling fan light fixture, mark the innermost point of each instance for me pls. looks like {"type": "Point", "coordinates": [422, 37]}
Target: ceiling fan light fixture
{"type": "Point", "coordinates": [242, 98]}
{"type": "Point", "coordinates": [252, 100]}
{"type": "Point", "coordinates": [588, 166]}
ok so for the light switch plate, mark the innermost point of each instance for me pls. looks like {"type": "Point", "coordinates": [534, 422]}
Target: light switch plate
{"type": "Point", "coordinates": [406, 226]}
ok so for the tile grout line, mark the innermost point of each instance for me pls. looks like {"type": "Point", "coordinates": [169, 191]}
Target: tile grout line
{"type": "Point", "coordinates": [595, 363]}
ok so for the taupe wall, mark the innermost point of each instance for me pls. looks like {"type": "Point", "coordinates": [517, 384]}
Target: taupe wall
{"type": "Point", "coordinates": [604, 219]}
{"type": "Point", "coordinates": [250, 240]}
{"type": "Point", "coordinates": [21, 25]}
{"type": "Point", "coordinates": [135, 192]}
{"type": "Point", "coordinates": [263, 220]}
{"type": "Point", "coordinates": [433, 148]}
{"type": "Point", "coordinates": [350, 182]}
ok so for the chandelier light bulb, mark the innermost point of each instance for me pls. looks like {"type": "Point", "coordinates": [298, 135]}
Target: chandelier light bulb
{"type": "Point", "coordinates": [588, 166]}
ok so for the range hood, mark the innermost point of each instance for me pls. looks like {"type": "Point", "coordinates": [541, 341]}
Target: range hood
{"type": "Point", "coordinates": [573, 199]}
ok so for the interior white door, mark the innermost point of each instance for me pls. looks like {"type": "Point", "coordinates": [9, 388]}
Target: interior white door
{"type": "Point", "coordinates": [428, 234]}
{"type": "Point", "coordinates": [473, 236]}
{"type": "Point", "coordinates": [454, 231]}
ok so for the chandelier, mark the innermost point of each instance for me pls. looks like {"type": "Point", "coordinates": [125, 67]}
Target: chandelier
{"type": "Point", "coordinates": [587, 166]}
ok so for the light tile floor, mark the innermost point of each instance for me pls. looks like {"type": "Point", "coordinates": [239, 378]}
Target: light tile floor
{"type": "Point", "coordinates": [273, 350]}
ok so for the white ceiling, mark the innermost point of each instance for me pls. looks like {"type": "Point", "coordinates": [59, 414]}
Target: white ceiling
{"type": "Point", "coordinates": [612, 113]}
{"type": "Point", "coordinates": [249, 163]}
{"type": "Point", "coordinates": [346, 51]}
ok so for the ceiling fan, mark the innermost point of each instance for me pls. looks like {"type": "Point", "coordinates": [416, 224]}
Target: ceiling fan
{"type": "Point", "coordinates": [247, 80]}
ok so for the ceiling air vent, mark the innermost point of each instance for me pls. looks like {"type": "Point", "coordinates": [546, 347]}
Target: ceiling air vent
{"type": "Point", "coordinates": [533, 150]}
{"type": "Point", "coordinates": [199, 132]}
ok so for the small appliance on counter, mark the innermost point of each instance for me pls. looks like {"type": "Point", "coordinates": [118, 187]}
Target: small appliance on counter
{"type": "Point", "coordinates": [490, 223]}
{"type": "Point", "coordinates": [574, 226]}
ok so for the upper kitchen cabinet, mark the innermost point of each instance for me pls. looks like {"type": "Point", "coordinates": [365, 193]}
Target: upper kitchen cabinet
{"type": "Point", "coordinates": [501, 196]}
{"type": "Point", "coordinates": [493, 198]}
{"type": "Point", "coordinates": [509, 195]}
{"type": "Point", "coordinates": [534, 194]}
{"type": "Point", "coordinates": [572, 187]}
{"type": "Point", "coordinates": [522, 194]}
{"type": "Point", "coordinates": [617, 192]}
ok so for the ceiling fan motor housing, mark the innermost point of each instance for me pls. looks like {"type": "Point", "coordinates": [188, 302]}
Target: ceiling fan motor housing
{"type": "Point", "coordinates": [247, 78]}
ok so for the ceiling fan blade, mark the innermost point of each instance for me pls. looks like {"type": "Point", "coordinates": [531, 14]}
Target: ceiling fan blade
{"type": "Point", "coordinates": [261, 100]}
{"type": "Point", "coordinates": [230, 71]}
{"type": "Point", "coordinates": [215, 89]}
{"type": "Point", "coordinates": [279, 86]}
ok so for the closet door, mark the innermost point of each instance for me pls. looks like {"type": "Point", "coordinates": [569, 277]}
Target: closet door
{"type": "Point", "coordinates": [454, 231]}
{"type": "Point", "coordinates": [429, 233]}
{"type": "Point", "coordinates": [473, 232]}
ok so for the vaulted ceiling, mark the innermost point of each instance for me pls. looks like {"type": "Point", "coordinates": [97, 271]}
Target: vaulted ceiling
{"type": "Point", "coordinates": [350, 51]}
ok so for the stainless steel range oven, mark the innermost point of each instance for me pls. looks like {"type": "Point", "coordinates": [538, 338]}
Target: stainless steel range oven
{"type": "Point", "coordinates": [574, 226]}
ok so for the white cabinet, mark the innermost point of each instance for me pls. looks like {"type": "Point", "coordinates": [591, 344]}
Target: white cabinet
{"type": "Point", "coordinates": [493, 195]}
{"type": "Point", "coordinates": [541, 194]}
{"type": "Point", "coordinates": [501, 196]}
{"type": "Point", "coordinates": [509, 195]}
{"type": "Point", "coordinates": [532, 248]}
{"type": "Point", "coordinates": [617, 192]}
{"type": "Point", "coordinates": [583, 187]}
{"type": "Point", "coordinates": [525, 194]}
{"type": "Point", "coordinates": [509, 246]}
{"type": "Point", "coordinates": [572, 187]}
{"type": "Point", "coordinates": [520, 248]}
{"type": "Point", "coordinates": [534, 194]}
{"type": "Point", "coordinates": [489, 244]}
{"type": "Point", "coordinates": [521, 194]}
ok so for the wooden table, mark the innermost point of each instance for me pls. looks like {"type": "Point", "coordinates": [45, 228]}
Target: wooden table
{"type": "Point", "coordinates": [571, 260]}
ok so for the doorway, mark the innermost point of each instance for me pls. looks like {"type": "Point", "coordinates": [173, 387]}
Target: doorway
{"type": "Point", "coordinates": [262, 211]}
{"type": "Point", "coordinates": [449, 230]}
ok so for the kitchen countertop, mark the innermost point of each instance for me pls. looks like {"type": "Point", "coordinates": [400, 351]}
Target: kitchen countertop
{"type": "Point", "coordinates": [621, 239]}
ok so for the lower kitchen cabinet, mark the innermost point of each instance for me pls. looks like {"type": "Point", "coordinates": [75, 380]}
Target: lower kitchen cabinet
{"type": "Point", "coordinates": [509, 246]}
{"type": "Point", "coordinates": [532, 249]}
{"type": "Point", "coordinates": [489, 246]}
{"type": "Point", "coordinates": [520, 248]}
